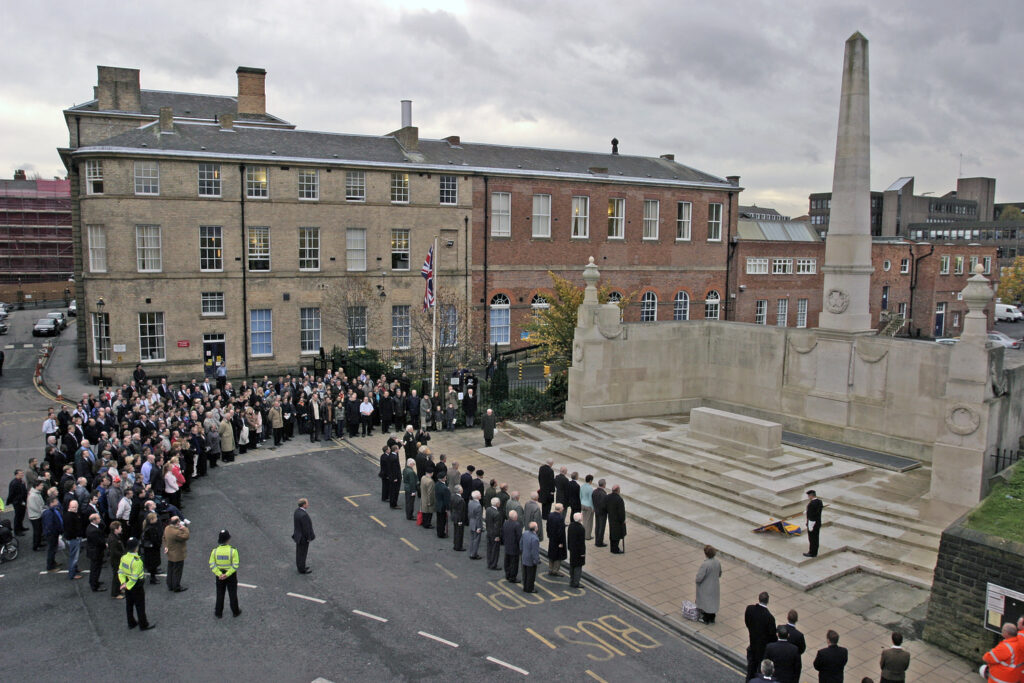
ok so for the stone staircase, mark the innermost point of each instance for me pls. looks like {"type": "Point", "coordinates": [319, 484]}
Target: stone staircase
{"type": "Point", "coordinates": [711, 494]}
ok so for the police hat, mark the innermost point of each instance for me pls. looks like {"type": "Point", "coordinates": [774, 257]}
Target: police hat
{"type": "Point", "coordinates": [133, 544]}
{"type": "Point", "coordinates": [224, 536]}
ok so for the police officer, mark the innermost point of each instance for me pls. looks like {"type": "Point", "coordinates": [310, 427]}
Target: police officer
{"type": "Point", "coordinates": [132, 576]}
{"type": "Point", "coordinates": [224, 565]}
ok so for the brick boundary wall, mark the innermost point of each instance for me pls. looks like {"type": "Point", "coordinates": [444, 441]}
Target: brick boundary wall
{"type": "Point", "coordinates": [968, 560]}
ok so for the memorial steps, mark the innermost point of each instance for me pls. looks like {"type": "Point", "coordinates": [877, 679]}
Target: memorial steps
{"type": "Point", "coordinates": [712, 494]}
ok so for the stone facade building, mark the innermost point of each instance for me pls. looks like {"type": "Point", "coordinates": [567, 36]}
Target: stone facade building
{"type": "Point", "coordinates": [215, 232]}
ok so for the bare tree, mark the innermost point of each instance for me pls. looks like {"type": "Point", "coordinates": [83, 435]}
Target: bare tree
{"type": "Point", "coordinates": [354, 308]}
{"type": "Point", "coordinates": [457, 342]}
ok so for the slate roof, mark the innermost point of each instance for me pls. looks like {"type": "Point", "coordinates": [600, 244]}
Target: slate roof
{"type": "Point", "coordinates": [776, 231]}
{"type": "Point", "coordinates": [277, 145]}
{"type": "Point", "coordinates": [187, 104]}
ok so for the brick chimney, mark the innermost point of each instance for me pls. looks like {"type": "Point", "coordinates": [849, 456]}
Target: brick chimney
{"type": "Point", "coordinates": [166, 120]}
{"type": "Point", "coordinates": [118, 89]}
{"type": "Point", "coordinates": [252, 95]}
{"type": "Point", "coordinates": [19, 174]}
{"type": "Point", "coordinates": [408, 135]}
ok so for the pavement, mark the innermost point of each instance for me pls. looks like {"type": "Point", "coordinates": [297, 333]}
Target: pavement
{"type": "Point", "coordinates": [651, 579]}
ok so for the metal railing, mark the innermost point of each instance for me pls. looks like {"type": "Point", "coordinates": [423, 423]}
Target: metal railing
{"type": "Point", "coordinates": [1004, 457]}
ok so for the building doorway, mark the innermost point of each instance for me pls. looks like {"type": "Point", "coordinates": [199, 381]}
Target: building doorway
{"type": "Point", "coordinates": [213, 353]}
{"type": "Point", "coordinates": [940, 320]}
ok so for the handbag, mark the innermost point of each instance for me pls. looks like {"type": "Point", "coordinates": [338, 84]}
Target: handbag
{"type": "Point", "coordinates": [243, 436]}
{"type": "Point", "coordinates": [419, 518]}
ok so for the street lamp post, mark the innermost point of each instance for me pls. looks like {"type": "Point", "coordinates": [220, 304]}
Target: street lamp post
{"type": "Point", "coordinates": [99, 337]}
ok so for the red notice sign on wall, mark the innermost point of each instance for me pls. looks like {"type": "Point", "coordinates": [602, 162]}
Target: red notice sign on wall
{"type": "Point", "coordinates": [183, 343]}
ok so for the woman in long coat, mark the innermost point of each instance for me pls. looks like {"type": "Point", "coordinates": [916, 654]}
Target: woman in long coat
{"type": "Point", "coordinates": [556, 540]}
{"type": "Point", "coordinates": [708, 593]}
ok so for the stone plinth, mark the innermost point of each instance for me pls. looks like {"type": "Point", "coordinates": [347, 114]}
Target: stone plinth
{"type": "Point", "coordinates": [742, 433]}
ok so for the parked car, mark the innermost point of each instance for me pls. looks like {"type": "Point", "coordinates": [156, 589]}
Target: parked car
{"type": "Point", "coordinates": [1008, 313]}
{"type": "Point", "coordinates": [3, 327]}
{"type": "Point", "coordinates": [46, 327]}
{"type": "Point", "coordinates": [73, 309]}
{"type": "Point", "coordinates": [62, 320]}
{"type": "Point", "coordinates": [6, 308]}
{"type": "Point", "coordinates": [1004, 340]}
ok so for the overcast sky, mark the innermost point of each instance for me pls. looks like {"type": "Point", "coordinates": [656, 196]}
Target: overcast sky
{"type": "Point", "coordinates": [730, 87]}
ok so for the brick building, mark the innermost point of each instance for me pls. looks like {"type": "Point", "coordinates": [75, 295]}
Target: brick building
{"type": "Point", "coordinates": [35, 230]}
{"type": "Point", "coordinates": [915, 287]}
{"type": "Point", "coordinates": [216, 232]}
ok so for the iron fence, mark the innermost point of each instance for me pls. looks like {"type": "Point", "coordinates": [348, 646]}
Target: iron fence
{"type": "Point", "coordinates": [1004, 457]}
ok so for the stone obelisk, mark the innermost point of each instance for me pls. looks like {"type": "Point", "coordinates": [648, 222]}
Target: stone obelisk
{"type": "Point", "coordinates": [847, 289]}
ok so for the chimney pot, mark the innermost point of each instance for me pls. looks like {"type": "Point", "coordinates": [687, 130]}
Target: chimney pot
{"type": "Point", "coordinates": [453, 140]}
{"type": "Point", "coordinates": [615, 145]}
{"type": "Point", "coordinates": [406, 113]}
{"type": "Point", "coordinates": [252, 96]}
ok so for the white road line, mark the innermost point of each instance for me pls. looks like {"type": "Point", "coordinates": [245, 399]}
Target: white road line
{"type": "Point", "coordinates": [246, 585]}
{"type": "Point", "coordinates": [440, 640]}
{"type": "Point", "coordinates": [8, 346]}
{"type": "Point", "coordinates": [26, 346]}
{"type": "Point", "coordinates": [306, 597]}
{"type": "Point", "coordinates": [364, 614]}
{"type": "Point", "coordinates": [508, 666]}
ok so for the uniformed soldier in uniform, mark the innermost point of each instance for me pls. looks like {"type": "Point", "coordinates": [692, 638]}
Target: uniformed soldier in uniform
{"type": "Point", "coordinates": [224, 565]}
{"type": "Point", "coordinates": [132, 576]}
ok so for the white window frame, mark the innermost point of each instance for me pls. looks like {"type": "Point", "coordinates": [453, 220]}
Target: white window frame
{"type": "Point", "coordinates": [500, 320]}
{"type": "Point", "coordinates": [152, 344]}
{"type": "Point", "coordinates": [649, 307]}
{"type": "Point", "coordinates": [309, 249]}
{"type": "Point", "coordinates": [401, 244]}
{"type": "Point", "coordinates": [580, 218]}
{"type": "Point", "coordinates": [904, 266]}
{"type": "Point", "coordinates": [971, 264]}
{"type": "Point", "coordinates": [355, 250]}
{"type": "Point", "coordinates": [782, 313]}
{"type": "Point", "coordinates": [263, 335]}
{"type": "Point", "coordinates": [148, 249]}
{"type": "Point", "coordinates": [761, 312]}
{"type": "Point", "coordinates": [211, 239]}
{"type": "Point", "coordinates": [97, 248]}
{"type": "Point", "coordinates": [684, 220]}
{"type": "Point", "coordinates": [257, 250]}
{"type": "Point", "coordinates": [399, 188]}
{"type": "Point", "coordinates": [987, 262]}
{"type": "Point", "coordinates": [616, 218]}
{"type": "Point", "coordinates": [652, 219]}
{"type": "Point", "coordinates": [101, 336]}
{"type": "Point", "coordinates": [94, 176]}
{"type": "Point", "coordinates": [714, 222]}
{"type": "Point", "coordinates": [208, 180]}
{"type": "Point", "coordinates": [147, 178]}
{"type": "Point", "coordinates": [713, 306]}
{"type": "Point", "coordinates": [448, 320]}
{"type": "Point", "coordinates": [958, 265]}
{"type": "Point", "coordinates": [944, 264]}
{"type": "Point", "coordinates": [782, 266]}
{"type": "Point", "coordinates": [309, 330]}
{"type": "Point", "coordinates": [211, 304]}
{"type": "Point", "coordinates": [355, 186]}
{"type": "Point", "coordinates": [681, 306]}
{"type": "Point", "coordinates": [806, 266]}
{"type": "Point", "coordinates": [448, 187]}
{"type": "Point", "coordinates": [501, 214]}
{"type": "Point", "coordinates": [801, 312]}
{"type": "Point", "coordinates": [901, 308]}
{"type": "Point", "coordinates": [757, 265]}
{"type": "Point", "coordinates": [309, 184]}
{"type": "Point", "coordinates": [541, 221]}
{"type": "Point", "coordinates": [355, 317]}
{"type": "Point", "coordinates": [257, 182]}
{"type": "Point", "coordinates": [401, 327]}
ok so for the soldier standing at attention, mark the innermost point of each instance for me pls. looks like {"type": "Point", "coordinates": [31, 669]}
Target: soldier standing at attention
{"type": "Point", "coordinates": [132, 576]}
{"type": "Point", "coordinates": [224, 565]}
{"type": "Point", "coordinates": [814, 507]}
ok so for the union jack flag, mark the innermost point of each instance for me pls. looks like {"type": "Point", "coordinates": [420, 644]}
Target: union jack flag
{"type": "Point", "coordinates": [428, 275]}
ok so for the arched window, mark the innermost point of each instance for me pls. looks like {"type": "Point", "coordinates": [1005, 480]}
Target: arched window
{"type": "Point", "coordinates": [539, 302]}
{"type": "Point", "coordinates": [649, 307]}
{"type": "Point", "coordinates": [615, 298]}
{"type": "Point", "coordinates": [711, 305]}
{"type": "Point", "coordinates": [681, 309]}
{"type": "Point", "coordinates": [500, 319]}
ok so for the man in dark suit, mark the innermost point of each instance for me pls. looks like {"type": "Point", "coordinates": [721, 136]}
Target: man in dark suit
{"type": "Point", "coordinates": [459, 519]}
{"type": "Point", "coordinates": [830, 662]}
{"type": "Point", "coordinates": [794, 635]}
{"type": "Point", "coordinates": [393, 470]}
{"type": "Point", "coordinates": [492, 524]}
{"type": "Point", "coordinates": [95, 546]}
{"type": "Point", "coordinates": [895, 661]}
{"type": "Point", "coordinates": [761, 630]}
{"type": "Point", "coordinates": [784, 656]}
{"type": "Point", "coordinates": [546, 482]}
{"type": "Point", "coordinates": [814, 507]}
{"type": "Point", "coordinates": [600, 500]}
{"type": "Point", "coordinates": [562, 487]}
{"type": "Point", "coordinates": [466, 482]}
{"type": "Point", "coordinates": [511, 533]}
{"type": "Point", "coordinates": [577, 547]}
{"type": "Point", "coordinates": [302, 535]}
{"type": "Point", "coordinates": [574, 494]}
{"type": "Point", "coordinates": [616, 509]}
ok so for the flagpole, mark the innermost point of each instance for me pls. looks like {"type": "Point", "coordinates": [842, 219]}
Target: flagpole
{"type": "Point", "coordinates": [433, 336]}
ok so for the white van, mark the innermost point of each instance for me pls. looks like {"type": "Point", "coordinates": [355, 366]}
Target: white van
{"type": "Point", "coordinates": [1008, 313]}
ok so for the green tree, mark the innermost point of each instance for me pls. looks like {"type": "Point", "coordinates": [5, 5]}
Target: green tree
{"type": "Point", "coordinates": [1011, 283]}
{"type": "Point", "coordinates": [1011, 214]}
{"type": "Point", "coordinates": [553, 327]}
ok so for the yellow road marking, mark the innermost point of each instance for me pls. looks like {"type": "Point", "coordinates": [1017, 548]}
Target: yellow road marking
{"type": "Point", "coordinates": [358, 495]}
{"type": "Point", "coordinates": [406, 541]}
{"type": "Point", "coordinates": [541, 638]}
{"type": "Point", "coordinates": [593, 675]}
{"type": "Point", "coordinates": [378, 521]}
{"type": "Point", "coordinates": [369, 459]}
{"type": "Point", "coordinates": [438, 565]}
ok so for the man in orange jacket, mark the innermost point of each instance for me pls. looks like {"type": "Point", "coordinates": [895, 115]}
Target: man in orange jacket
{"type": "Point", "coordinates": [1002, 661]}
